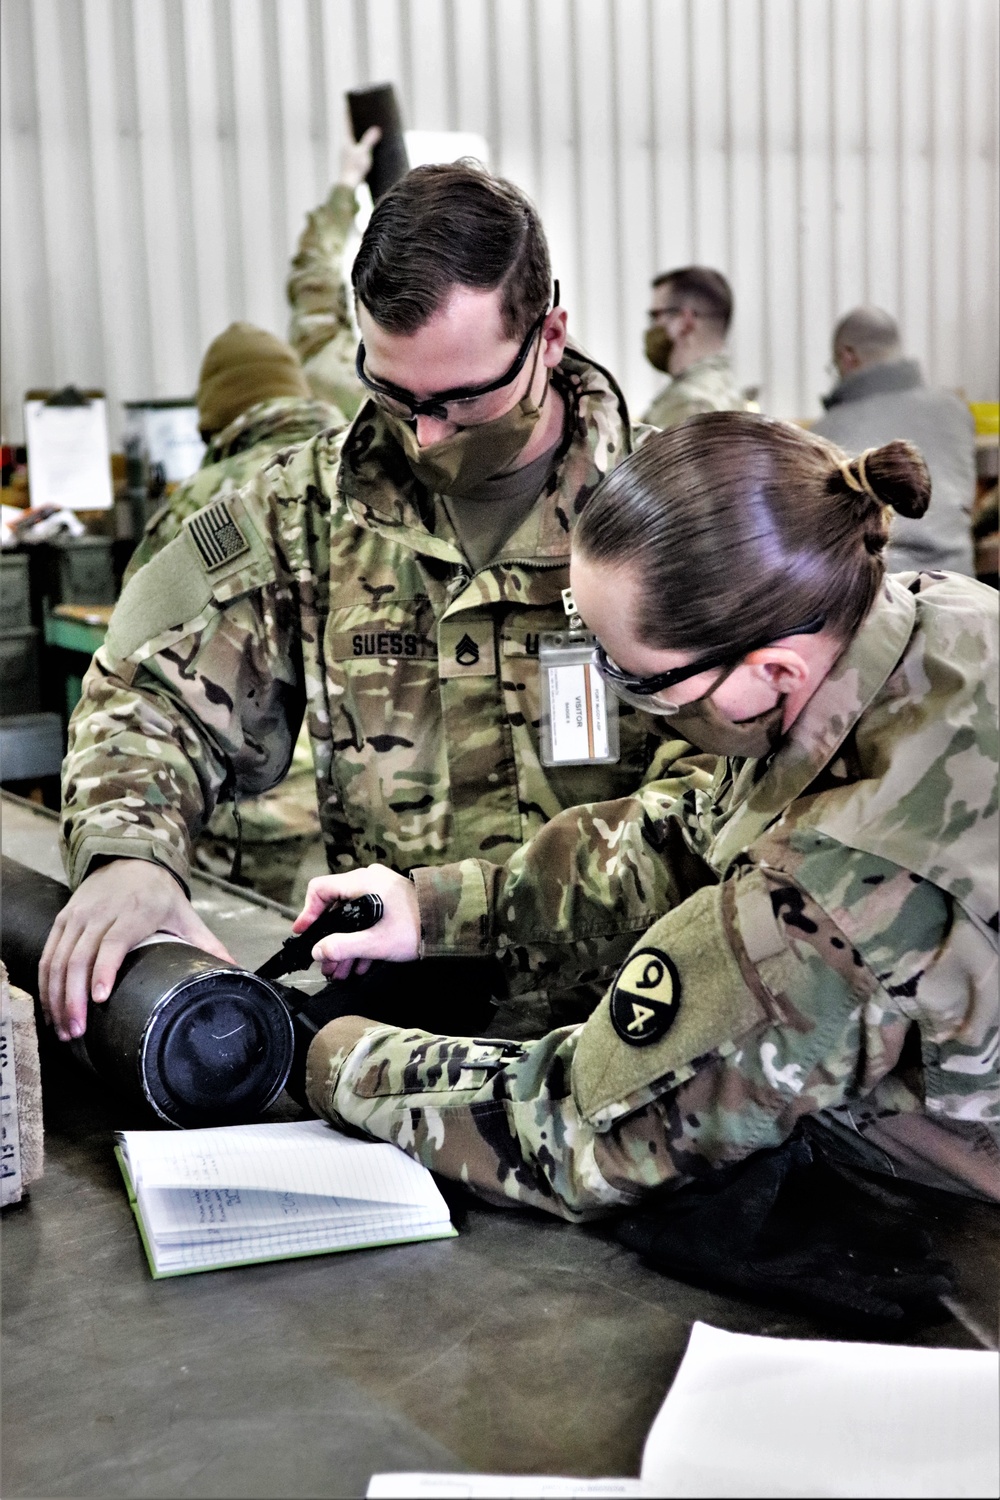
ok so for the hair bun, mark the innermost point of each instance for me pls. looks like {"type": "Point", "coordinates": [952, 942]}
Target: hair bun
{"type": "Point", "coordinates": [897, 475]}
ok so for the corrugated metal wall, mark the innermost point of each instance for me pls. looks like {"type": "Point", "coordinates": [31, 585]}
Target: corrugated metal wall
{"type": "Point", "coordinates": [158, 157]}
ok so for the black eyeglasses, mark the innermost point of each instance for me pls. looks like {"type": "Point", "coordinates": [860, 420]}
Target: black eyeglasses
{"type": "Point", "coordinates": [671, 312]}
{"type": "Point", "coordinates": [403, 403]}
{"type": "Point", "coordinates": [626, 685]}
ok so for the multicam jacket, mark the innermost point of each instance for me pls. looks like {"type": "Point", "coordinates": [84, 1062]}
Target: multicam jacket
{"type": "Point", "coordinates": [334, 585]}
{"type": "Point", "coordinates": [233, 457]}
{"type": "Point", "coordinates": [320, 328]}
{"type": "Point", "coordinates": [706, 386]}
{"type": "Point", "coordinates": [821, 909]}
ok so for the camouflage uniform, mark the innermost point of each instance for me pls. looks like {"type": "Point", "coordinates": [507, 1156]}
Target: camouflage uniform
{"type": "Point", "coordinates": [232, 458]}
{"type": "Point", "coordinates": [281, 827]}
{"type": "Point", "coordinates": [335, 584]}
{"type": "Point", "coordinates": [818, 906]}
{"type": "Point", "coordinates": [706, 386]}
{"type": "Point", "coordinates": [320, 328]}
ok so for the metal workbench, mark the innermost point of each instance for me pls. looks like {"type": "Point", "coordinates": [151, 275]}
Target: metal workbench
{"type": "Point", "coordinates": [524, 1345]}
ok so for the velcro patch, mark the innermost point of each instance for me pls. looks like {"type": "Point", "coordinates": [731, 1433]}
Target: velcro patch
{"type": "Point", "coordinates": [719, 1006]}
{"type": "Point", "coordinates": [645, 997]}
{"type": "Point", "coordinates": [380, 642]}
{"type": "Point", "coordinates": [217, 536]}
{"type": "Point", "coordinates": [762, 937]}
{"type": "Point", "coordinates": [467, 647]}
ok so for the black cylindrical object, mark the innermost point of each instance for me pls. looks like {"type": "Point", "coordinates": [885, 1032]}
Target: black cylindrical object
{"type": "Point", "coordinates": [197, 1040]}
{"type": "Point", "coordinates": [30, 904]}
{"type": "Point", "coordinates": [378, 106]}
{"type": "Point", "coordinates": [201, 1041]}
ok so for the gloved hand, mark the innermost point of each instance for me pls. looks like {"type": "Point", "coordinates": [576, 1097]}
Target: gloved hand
{"type": "Point", "coordinates": [788, 1229]}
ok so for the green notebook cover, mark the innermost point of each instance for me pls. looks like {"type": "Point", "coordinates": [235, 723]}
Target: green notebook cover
{"type": "Point", "coordinates": [255, 1260]}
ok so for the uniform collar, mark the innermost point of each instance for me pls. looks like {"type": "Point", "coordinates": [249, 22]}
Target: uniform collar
{"type": "Point", "coordinates": [857, 677]}
{"type": "Point", "coordinates": [382, 494]}
{"type": "Point", "coordinates": [297, 416]}
{"type": "Point", "coordinates": [711, 362]}
{"type": "Point", "coordinates": [876, 380]}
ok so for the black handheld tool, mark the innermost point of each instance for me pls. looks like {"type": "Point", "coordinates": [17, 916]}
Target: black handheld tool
{"type": "Point", "coordinates": [295, 953]}
{"type": "Point", "coordinates": [379, 106]}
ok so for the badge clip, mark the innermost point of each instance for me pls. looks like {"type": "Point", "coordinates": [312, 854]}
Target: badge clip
{"type": "Point", "coordinates": [579, 719]}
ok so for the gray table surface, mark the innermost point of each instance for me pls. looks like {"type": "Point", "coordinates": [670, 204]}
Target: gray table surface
{"type": "Point", "coordinates": [523, 1346]}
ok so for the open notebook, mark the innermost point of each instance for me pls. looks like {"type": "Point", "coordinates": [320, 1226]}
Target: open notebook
{"type": "Point", "coordinates": [243, 1193]}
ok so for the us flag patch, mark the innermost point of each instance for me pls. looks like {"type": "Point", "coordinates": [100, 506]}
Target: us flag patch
{"type": "Point", "coordinates": [217, 536]}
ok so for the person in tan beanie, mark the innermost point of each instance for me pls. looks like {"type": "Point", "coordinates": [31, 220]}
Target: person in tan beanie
{"type": "Point", "coordinates": [243, 366]}
{"type": "Point", "coordinates": [253, 401]}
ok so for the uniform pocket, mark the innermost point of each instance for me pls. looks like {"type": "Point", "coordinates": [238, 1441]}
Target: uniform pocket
{"type": "Point", "coordinates": [405, 1065]}
{"type": "Point", "coordinates": [385, 727]}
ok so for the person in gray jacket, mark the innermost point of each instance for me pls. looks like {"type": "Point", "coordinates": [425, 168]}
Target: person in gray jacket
{"type": "Point", "coordinates": [881, 396]}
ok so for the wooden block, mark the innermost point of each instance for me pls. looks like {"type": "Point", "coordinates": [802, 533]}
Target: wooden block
{"type": "Point", "coordinates": [21, 1134]}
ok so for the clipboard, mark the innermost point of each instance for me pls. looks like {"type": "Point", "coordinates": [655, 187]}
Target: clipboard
{"type": "Point", "coordinates": [69, 457]}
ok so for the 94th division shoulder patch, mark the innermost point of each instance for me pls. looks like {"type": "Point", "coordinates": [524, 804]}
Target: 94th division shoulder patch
{"type": "Point", "coordinates": [645, 1000]}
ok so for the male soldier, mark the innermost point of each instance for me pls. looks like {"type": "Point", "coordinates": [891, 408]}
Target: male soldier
{"type": "Point", "coordinates": [320, 328]}
{"type": "Point", "coordinates": [253, 401]}
{"type": "Point", "coordinates": [881, 396]}
{"type": "Point", "coordinates": [689, 316]}
{"type": "Point", "coordinates": [392, 582]}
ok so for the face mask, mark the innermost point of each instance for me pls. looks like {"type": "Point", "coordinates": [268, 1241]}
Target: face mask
{"type": "Point", "coordinates": [703, 724]}
{"type": "Point", "coordinates": [461, 463]}
{"type": "Point", "coordinates": [659, 347]}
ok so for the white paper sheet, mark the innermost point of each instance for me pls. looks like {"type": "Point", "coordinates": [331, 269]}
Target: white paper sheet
{"type": "Point", "coordinates": [750, 1416]}
{"type": "Point", "coordinates": [171, 438]}
{"type": "Point", "coordinates": [499, 1487]}
{"type": "Point", "coordinates": [68, 458]}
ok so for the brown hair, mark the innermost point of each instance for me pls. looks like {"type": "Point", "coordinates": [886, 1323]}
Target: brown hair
{"type": "Point", "coordinates": [442, 226]}
{"type": "Point", "coordinates": [742, 527]}
{"type": "Point", "coordinates": [707, 291]}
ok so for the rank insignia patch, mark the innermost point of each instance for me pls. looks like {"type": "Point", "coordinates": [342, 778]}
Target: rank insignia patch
{"type": "Point", "coordinates": [646, 998]}
{"type": "Point", "coordinates": [467, 652]}
{"type": "Point", "coordinates": [217, 536]}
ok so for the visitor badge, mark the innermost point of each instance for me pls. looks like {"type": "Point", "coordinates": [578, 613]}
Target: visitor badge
{"type": "Point", "coordinates": [579, 722]}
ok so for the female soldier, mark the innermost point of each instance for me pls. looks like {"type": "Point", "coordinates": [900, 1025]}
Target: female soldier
{"type": "Point", "coordinates": [826, 939]}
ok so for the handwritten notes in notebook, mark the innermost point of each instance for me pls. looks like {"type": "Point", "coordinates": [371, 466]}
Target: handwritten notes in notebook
{"type": "Point", "coordinates": [205, 1199]}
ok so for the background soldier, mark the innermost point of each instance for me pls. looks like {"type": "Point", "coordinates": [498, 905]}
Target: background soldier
{"type": "Point", "coordinates": [828, 943]}
{"type": "Point", "coordinates": [391, 582]}
{"type": "Point", "coordinates": [253, 401]}
{"type": "Point", "coordinates": [689, 316]}
{"type": "Point", "coordinates": [881, 396]}
{"type": "Point", "coordinates": [320, 329]}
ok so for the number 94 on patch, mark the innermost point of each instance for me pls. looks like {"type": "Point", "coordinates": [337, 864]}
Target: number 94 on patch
{"type": "Point", "coordinates": [579, 722]}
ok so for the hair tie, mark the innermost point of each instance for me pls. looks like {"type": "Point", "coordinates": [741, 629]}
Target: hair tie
{"type": "Point", "coordinates": [859, 482]}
